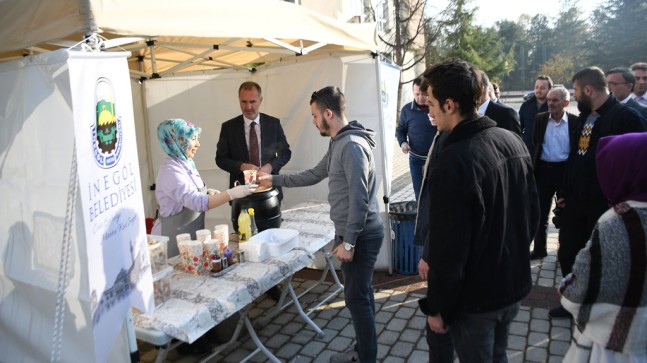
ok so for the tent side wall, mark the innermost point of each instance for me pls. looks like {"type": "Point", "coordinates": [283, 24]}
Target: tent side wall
{"type": "Point", "coordinates": [209, 100]}
{"type": "Point", "coordinates": [36, 151]}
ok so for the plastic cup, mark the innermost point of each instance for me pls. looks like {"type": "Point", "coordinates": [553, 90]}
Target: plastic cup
{"type": "Point", "coordinates": [221, 234]}
{"type": "Point", "coordinates": [250, 176]}
{"type": "Point", "coordinates": [203, 235]}
{"type": "Point", "coordinates": [183, 237]}
{"type": "Point", "coordinates": [193, 256]}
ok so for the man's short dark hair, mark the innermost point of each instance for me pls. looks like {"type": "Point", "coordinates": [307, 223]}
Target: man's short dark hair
{"type": "Point", "coordinates": [458, 80]}
{"type": "Point", "coordinates": [640, 66]}
{"type": "Point", "coordinates": [592, 77]}
{"type": "Point", "coordinates": [329, 98]}
{"type": "Point", "coordinates": [625, 73]}
{"type": "Point", "coordinates": [250, 85]}
{"type": "Point", "coordinates": [544, 77]}
{"type": "Point", "coordinates": [418, 81]}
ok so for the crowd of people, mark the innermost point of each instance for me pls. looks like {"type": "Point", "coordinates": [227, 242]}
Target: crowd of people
{"type": "Point", "coordinates": [485, 177]}
{"type": "Point", "coordinates": [487, 194]}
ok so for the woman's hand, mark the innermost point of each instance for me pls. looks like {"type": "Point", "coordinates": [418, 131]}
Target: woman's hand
{"type": "Point", "coordinates": [241, 191]}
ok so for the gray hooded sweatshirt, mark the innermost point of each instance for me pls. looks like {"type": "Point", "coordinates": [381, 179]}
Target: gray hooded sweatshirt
{"type": "Point", "coordinates": [350, 167]}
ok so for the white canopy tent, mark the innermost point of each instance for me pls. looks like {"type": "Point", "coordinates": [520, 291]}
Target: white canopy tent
{"type": "Point", "coordinates": [187, 60]}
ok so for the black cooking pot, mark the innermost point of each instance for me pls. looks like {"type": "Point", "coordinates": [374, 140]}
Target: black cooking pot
{"type": "Point", "coordinates": [267, 209]}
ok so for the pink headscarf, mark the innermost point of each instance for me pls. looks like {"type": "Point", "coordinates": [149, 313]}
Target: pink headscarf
{"type": "Point", "coordinates": [622, 167]}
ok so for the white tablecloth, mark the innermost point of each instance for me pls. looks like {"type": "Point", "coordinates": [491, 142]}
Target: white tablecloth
{"type": "Point", "coordinates": [199, 303]}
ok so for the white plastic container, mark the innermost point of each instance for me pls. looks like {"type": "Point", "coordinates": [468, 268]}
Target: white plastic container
{"type": "Point", "coordinates": [162, 285]}
{"type": "Point", "coordinates": [271, 242]}
{"type": "Point", "coordinates": [157, 251]}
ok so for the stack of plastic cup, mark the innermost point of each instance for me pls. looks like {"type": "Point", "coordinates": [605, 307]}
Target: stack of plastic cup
{"type": "Point", "coordinates": [192, 255]}
{"type": "Point", "coordinates": [221, 234]}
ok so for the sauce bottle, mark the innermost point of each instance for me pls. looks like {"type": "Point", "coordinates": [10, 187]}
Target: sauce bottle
{"type": "Point", "coordinates": [244, 226]}
{"type": "Point", "coordinates": [253, 228]}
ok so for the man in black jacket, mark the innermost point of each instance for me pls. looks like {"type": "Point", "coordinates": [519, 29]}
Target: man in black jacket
{"type": "Point", "coordinates": [551, 137]}
{"type": "Point", "coordinates": [504, 116]}
{"type": "Point", "coordinates": [530, 108]}
{"type": "Point", "coordinates": [483, 214]}
{"type": "Point", "coordinates": [580, 196]}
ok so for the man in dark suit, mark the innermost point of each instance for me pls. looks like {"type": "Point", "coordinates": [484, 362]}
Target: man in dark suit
{"type": "Point", "coordinates": [551, 138]}
{"type": "Point", "coordinates": [504, 116]}
{"type": "Point", "coordinates": [269, 153]}
{"type": "Point", "coordinates": [580, 194]}
{"type": "Point", "coordinates": [621, 83]}
{"type": "Point", "coordinates": [531, 107]}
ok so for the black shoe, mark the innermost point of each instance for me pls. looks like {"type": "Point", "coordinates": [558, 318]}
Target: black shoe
{"type": "Point", "coordinates": [536, 255]}
{"type": "Point", "coordinates": [559, 313]}
{"type": "Point", "coordinates": [274, 293]}
{"type": "Point", "coordinates": [198, 347]}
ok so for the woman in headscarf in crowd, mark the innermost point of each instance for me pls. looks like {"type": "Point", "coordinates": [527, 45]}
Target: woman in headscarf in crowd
{"type": "Point", "coordinates": [607, 290]}
{"type": "Point", "coordinates": [182, 196]}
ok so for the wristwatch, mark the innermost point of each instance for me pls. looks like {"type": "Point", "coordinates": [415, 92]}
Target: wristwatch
{"type": "Point", "coordinates": [348, 246]}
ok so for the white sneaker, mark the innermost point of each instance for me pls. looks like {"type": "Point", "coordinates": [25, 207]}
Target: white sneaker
{"type": "Point", "coordinates": [348, 356]}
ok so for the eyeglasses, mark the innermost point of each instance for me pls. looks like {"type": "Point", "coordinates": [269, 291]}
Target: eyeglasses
{"type": "Point", "coordinates": [611, 83]}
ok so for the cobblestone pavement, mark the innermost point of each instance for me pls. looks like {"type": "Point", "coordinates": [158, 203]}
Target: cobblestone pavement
{"type": "Point", "coordinates": [400, 325]}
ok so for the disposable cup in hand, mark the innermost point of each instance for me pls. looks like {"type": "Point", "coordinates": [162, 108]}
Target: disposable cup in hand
{"type": "Point", "coordinates": [250, 176]}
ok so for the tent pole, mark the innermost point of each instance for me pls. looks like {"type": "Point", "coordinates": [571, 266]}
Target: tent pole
{"type": "Point", "coordinates": [132, 338]}
{"type": "Point", "coordinates": [386, 183]}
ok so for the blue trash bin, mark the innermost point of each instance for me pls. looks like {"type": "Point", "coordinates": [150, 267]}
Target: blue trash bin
{"type": "Point", "coordinates": [405, 255]}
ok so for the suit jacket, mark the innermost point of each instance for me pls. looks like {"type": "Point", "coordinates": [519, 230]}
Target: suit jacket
{"type": "Point", "coordinates": [232, 150]}
{"type": "Point", "coordinates": [504, 116]}
{"type": "Point", "coordinates": [539, 131]}
{"type": "Point", "coordinates": [642, 110]}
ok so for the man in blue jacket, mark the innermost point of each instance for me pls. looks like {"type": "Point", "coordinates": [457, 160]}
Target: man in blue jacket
{"type": "Point", "coordinates": [415, 133]}
{"type": "Point", "coordinates": [483, 214]}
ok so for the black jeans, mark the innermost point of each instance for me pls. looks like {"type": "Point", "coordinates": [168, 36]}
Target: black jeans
{"type": "Point", "coordinates": [483, 337]}
{"type": "Point", "coordinates": [441, 347]}
{"type": "Point", "coordinates": [359, 295]}
{"type": "Point", "coordinates": [578, 219]}
{"type": "Point", "coordinates": [549, 178]}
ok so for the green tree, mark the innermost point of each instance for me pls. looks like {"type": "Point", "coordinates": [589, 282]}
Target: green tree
{"type": "Point", "coordinates": [560, 68]}
{"type": "Point", "coordinates": [619, 28]}
{"type": "Point", "coordinates": [480, 46]}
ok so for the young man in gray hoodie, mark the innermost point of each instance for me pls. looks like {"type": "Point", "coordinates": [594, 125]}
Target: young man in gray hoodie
{"type": "Point", "coordinates": [349, 165]}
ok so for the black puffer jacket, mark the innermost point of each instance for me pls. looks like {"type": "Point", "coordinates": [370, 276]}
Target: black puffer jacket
{"type": "Point", "coordinates": [483, 216]}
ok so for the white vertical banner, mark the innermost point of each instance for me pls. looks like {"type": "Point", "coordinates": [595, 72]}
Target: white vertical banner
{"type": "Point", "coordinates": [389, 79]}
{"type": "Point", "coordinates": [109, 183]}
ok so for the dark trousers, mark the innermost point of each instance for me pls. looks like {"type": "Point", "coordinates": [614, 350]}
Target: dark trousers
{"type": "Point", "coordinates": [483, 337]}
{"type": "Point", "coordinates": [415, 167]}
{"type": "Point", "coordinates": [577, 222]}
{"type": "Point", "coordinates": [359, 295]}
{"type": "Point", "coordinates": [548, 177]}
{"type": "Point", "coordinates": [441, 347]}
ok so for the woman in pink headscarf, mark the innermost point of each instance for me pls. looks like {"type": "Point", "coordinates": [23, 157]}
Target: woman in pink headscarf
{"type": "Point", "coordinates": [607, 290]}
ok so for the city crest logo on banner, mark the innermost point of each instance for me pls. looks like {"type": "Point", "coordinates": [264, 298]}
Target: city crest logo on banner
{"type": "Point", "coordinates": [107, 129]}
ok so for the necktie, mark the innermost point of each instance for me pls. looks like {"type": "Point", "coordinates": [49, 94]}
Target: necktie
{"type": "Point", "coordinates": [253, 145]}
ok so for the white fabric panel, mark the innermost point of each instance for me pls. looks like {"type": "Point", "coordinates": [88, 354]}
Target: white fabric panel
{"type": "Point", "coordinates": [36, 148]}
{"type": "Point", "coordinates": [275, 28]}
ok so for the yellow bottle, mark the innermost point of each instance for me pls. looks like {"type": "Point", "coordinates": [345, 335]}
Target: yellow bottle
{"type": "Point", "coordinates": [244, 226]}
